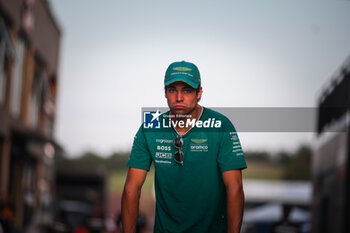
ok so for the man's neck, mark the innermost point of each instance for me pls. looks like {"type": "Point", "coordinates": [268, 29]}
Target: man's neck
{"type": "Point", "coordinates": [195, 114]}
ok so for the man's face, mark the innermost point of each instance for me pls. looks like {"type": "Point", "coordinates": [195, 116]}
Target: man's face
{"type": "Point", "coordinates": [182, 98]}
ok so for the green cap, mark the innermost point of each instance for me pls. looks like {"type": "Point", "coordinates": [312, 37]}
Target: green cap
{"type": "Point", "coordinates": [183, 71]}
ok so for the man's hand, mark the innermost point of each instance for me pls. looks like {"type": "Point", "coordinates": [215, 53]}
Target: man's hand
{"type": "Point", "coordinates": [131, 197]}
{"type": "Point", "coordinates": [235, 199]}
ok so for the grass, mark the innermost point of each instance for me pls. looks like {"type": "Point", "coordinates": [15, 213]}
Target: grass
{"type": "Point", "coordinates": [117, 179]}
{"type": "Point", "coordinates": [263, 170]}
{"type": "Point", "coordinates": [255, 170]}
{"type": "Point", "coordinates": [116, 184]}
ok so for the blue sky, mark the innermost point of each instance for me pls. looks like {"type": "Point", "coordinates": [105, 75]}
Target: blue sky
{"type": "Point", "coordinates": [250, 54]}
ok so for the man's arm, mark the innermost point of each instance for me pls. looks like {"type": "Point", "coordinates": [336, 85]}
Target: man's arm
{"type": "Point", "coordinates": [235, 199]}
{"type": "Point", "coordinates": [131, 197]}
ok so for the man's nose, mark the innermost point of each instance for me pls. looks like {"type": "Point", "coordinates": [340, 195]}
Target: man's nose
{"type": "Point", "coordinates": [179, 96]}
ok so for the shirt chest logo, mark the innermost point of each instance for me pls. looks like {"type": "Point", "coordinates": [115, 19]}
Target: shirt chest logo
{"type": "Point", "coordinates": [199, 145]}
{"type": "Point", "coordinates": [163, 155]}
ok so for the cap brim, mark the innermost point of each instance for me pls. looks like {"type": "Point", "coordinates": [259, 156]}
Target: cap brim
{"type": "Point", "coordinates": [189, 82]}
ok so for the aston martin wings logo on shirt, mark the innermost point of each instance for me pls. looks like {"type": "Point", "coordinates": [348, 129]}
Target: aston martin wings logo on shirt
{"type": "Point", "coordinates": [199, 141]}
{"type": "Point", "coordinates": [199, 145]}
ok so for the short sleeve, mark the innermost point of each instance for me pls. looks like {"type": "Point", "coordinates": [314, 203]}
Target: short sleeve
{"type": "Point", "coordinates": [231, 155]}
{"type": "Point", "coordinates": [140, 156]}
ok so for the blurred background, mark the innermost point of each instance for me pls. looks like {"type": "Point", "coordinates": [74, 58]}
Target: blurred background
{"type": "Point", "coordinates": [74, 76]}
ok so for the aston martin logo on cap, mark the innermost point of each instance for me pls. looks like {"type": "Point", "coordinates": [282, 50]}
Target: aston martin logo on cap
{"type": "Point", "coordinates": [182, 69]}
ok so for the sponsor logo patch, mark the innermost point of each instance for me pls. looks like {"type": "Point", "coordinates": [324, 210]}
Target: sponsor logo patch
{"type": "Point", "coordinates": [182, 69]}
{"type": "Point", "coordinates": [199, 148]}
{"type": "Point", "coordinates": [163, 155]}
{"type": "Point", "coordinates": [164, 140]}
{"type": "Point", "coordinates": [199, 141]}
{"type": "Point", "coordinates": [199, 145]}
{"type": "Point", "coordinates": [162, 161]}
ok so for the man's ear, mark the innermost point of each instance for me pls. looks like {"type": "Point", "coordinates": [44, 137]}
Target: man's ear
{"type": "Point", "coordinates": [199, 94]}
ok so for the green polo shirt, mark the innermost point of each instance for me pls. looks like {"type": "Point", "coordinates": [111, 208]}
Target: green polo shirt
{"type": "Point", "coordinates": [190, 198]}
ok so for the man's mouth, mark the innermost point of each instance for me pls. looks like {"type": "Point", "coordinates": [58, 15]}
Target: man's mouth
{"type": "Point", "coordinates": [179, 107]}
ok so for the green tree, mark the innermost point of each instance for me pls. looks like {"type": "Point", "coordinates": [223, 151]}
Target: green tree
{"type": "Point", "coordinates": [117, 161]}
{"type": "Point", "coordinates": [299, 167]}
{"type": "Point", "coordinates": [90, 158]}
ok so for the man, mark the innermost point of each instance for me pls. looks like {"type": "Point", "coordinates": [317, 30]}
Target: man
{"type": "Point", "coordinates": [197, 159]}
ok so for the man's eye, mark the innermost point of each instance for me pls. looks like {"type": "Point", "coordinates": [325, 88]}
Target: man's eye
{"type": "Point", "coordinates": [187, 91]}
{"type": "Point", "coordinates": [171, 90]}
